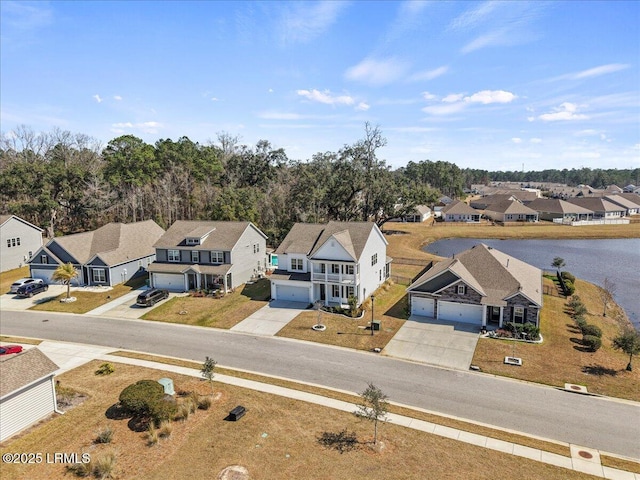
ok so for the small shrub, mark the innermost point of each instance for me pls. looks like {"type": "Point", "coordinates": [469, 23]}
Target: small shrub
{"type": "Point", "coordinates": [182, 413]}
{"type": "Point", "coordinates": [568, 276]}
{"type": "Point", "coordinates": [104, 436]}
{"type": "Point", "coordinates": [581, 322]}
{"type": "Point", "coordinates": [575, 302]}
{"type": "Point", "coordinates": [192, 405]}
{"type": "Point", "coordinates": [353, 306]}
{"type": "Point", "coordinates": [64, 395]}
{"type": "Point", "coordinates": [579, 310]}
{"type": "Point", "coordinates": [569, 288]}
{"type": "Point", "coordinates": [592, 330]}
{"type": "Point", "coordinates": [532, 332]}
{"type": "Point", "coordinates": [104, 465]}
{"type": "Point", "coordinates": [162, 409]}
{"type": "Point", "coordinates": [204, 403]}
{"type": "Point", "coordinates": [165, 429]}
{"type": "Point", "coordinates": [592, 342]}
{"type": "Point", "coordinates": [81, 469]}
{"type": "Point", "coordinates": [138, 397]}
{"type": "Point", "coordinates": [105, 369]}
{"type": "Point", "coordinates": [152, 435]}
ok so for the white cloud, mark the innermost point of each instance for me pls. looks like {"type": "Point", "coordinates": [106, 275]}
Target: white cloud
{"type": "Point", "coordinates": [363, 107]}
{"type": "Point", "coordinates": [428, 74]}
{"type": "Point", "coordinates": [586, 133]}
{"type": "Point", "coordinates": [325, 97]}
{"type": "Point", "coordinates": [97, 98]}
{"type": "Point", "coordinates": [215, 99]}
{"type": "Point", "coordinates": [535, 140]}
{"type": "Point", "coordinates": [270, 90]}
{"type": "Point", "coordinates": [117, 97]}
{"type": "Point", "coordinates": [595, 71]}
{"type": "Point", "coordinates": [377, 72]}
{"type": "Point", "coordinates": [473, 16]}
{"type": "Point", "coordinates": [491, 96]}
{"type": "Point", "coordinates": [428, 96]}
{"type": "Point", "coordinates": [453, 97]}
{"type": "Point", "coordinates": [516, 140]}
{"type": "Point", "coordinates": [144, 127]}
{"type": "Point", "coordinates": [302, 22]}
{"type": "Point", "coordinates": [455, 102]}
{"type": "Point", "coordinates": [445, 109]}
{"type": "Point", "coordinates": [566, 111]}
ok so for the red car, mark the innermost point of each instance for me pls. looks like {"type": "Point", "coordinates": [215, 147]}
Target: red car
{"type": "Point", "coordinates": [8, 349]}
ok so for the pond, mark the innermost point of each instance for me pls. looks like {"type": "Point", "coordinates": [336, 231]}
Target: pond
{"type": "Point", "coordinates": [591, 260]}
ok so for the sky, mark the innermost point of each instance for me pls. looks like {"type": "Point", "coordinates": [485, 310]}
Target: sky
{"type": "Point", "coordinates": [491, 85]}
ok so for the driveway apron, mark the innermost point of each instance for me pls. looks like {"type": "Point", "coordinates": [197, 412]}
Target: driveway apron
{"type": "Point", "coordinates": [271, 318]}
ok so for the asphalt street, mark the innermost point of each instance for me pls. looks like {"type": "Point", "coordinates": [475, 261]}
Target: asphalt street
{"type": "Point", "coordinates": [602, 423]}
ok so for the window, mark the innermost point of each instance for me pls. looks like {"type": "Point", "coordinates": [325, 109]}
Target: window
{"type": "Point", "coordinates": [462, 289]}
{"type": "Point", "coordinates": [348, 269]}
{"type": "Point", "coordinates": [323, 268]}
{"type": "Point", "coordinates": [335, 268]}
{"type": "Point", "coordinates": [518, 314]}
{"type": "Point", "coordinates": [18, 240]}
{"type": "Point", "coordinates": [193, 241]}
{"type": "Point", "coordinates": [13, 242]}
{"type": "Point", "coordinates": [195, 256]}
{"type": "Point", "coordinates": [350, 292]}
{"type": "Point", "coordinates": [374, 259]}
{"type": "Point", "coordinates": [43, 259]}
{"type": "Point", "coordinates": [8, 243]}
{"type": "Point", "coordinates": [173, 255]}
{"type": "Point", "coordinates": [296, 264]}
{"type": "Point", "coordinates": [217, 257]}
{"type": "Point", "coordinates": [335, 291]}
{"type": "Point", "coordinates": [256, 247]}
{"type": "Point", "coordinates": [99, 275]}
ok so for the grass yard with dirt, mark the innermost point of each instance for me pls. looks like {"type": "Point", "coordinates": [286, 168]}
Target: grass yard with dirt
{"type": "Point", "coordinates": [222, 312]}
{"type": "Point", "coordinates": [277, 438]}
{"type": "Point", "coordinates": [10, 276]}
{"type": "Point", "coordinates": [560, 358]}
{"type": "Point", "coordinates": [87, 301]}
{"type": "Point", "coordinates": [390, 308]}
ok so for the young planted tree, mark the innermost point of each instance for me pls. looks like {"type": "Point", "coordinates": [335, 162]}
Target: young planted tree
{"type": "Point", "coordinates": [207, 370]}
{"type": "Point", "coordinates": [373, 407]}
{"type": "Point", "coordinates": [558, 263]}
{"type": "Point", "coordinates": [65, 273]}
{"type": "Point", "coordinates": [606, 294]}
{"type": "Point", "coordinates": [629, 343]}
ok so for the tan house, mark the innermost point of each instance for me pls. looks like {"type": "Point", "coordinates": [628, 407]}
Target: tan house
{"type": "Point", "coordinates": [481, 286]}
{"type": "Point", "coordinates": [458, 211]}
{"type": "Point", "coordinates": [510, 211]}
{"type": "Point", "coordinates": [555, 209]}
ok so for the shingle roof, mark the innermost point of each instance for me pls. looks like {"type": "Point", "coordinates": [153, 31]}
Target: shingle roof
{"type": "Point", "coordinates": [510, 206]}
{"type": "Point", "coordinates": [307, 238]}
{"type": "Point", "coordinates": [620, 200]}
{"type": "Point", "coordinates": [597, 204]}
{"type": "Point", "coordinates": [494, 274]}
{"type": "Point", "coordinates": [555, 205]}
{"type": "Point", "coordinates": [114, 243]}
{"type": "Point", "coordinates": [222, 235]}
{"type": "Point", "coordinates": [6, 218]}
{"type": "Point", "coordinates": [459, 208]}
{"type": "Point", "coordinates": [17, 371]}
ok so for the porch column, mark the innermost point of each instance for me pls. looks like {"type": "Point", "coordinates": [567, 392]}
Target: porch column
{"type": "Point", "coordinates": [327, 291]}
{"type": "Point", "coordinates": [484, 316]}
{"type": "Point", "coordinates": [501, 313]}
{"type": "Point", "coordinates": [224, 282]}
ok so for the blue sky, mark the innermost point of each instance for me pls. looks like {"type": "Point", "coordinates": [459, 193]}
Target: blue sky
{"type": "Point", "coordinates": [491, 85]}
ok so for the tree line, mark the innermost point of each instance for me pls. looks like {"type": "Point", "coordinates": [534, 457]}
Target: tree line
{"type": "Point", "coordinates": [68, 183]}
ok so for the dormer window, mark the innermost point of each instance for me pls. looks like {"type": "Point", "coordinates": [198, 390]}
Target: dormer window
{"type": "Point", "coordinates": [296, 264]}
{"type": "Point", "coordinates": [193, 241]}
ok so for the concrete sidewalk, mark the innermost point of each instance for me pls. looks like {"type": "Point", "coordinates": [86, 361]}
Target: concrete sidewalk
{"type": "Point", "coordinates": [582, 459]}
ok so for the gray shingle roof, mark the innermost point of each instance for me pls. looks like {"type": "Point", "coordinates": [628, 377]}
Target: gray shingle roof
{"type": "Point", "coordinates": [459, 208]}
{"type": "Point", "coordinates": [622, 201]}
{"type": "Point", "coordinates": [597, 204]}
{"type": "Point", "coordinates": [222, 235]}
{"type": "Point", "coordinates": [494, 274]}
{"type": "Point", "coordinates": [17, 371]}
{"type": "Point", "coordinates": [555, 205]}
{"type": "Point", "coordinates": [114, 243]}
{"type": "Point", "coordinates": [510, 206]}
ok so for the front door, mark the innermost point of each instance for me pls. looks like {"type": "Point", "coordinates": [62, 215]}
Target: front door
{"type": "Point", "coordinates": [191, 279]}
{"type": "Point", "coordinates": [323, 292]}
{"type": "Point", "coordinates": [494, 316]}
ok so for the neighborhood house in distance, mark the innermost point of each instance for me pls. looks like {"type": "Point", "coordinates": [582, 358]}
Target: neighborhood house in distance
{"type": "Point", "coordinates": [109, 255]}
{"type": "Point", "coordinates": [208, 255]}
{"type": "Point", "coordinates": [19, 240]}
{"type": "Point", "coordinates": [330, 263]}
{"type": "Point", "coordinates": [480, 285]}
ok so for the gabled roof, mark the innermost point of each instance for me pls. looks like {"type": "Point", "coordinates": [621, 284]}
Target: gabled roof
{"type": "Point", "coordinates": [308, 238]}
{"type": "Point", "coordinates": [597, 204]}
{"type": "Point", "coordinates": [622, 201]}
{"type": "Point", "coordinates": [555, 205]}
{"type": "Point", "coordinates": [422, 209]}
{"type": "Point", "coordinates": [5, 218]}
{"type": "Point", "coordinates": [510, 206]}
{"type": "Point", "coordinates": [494, 274]}
{"type": "Point", "coordinates": [113, 243]}
{"type": "Point", "coordinates": [221, 235]}
{"type": "Point", "coordinates": [17, 371]}
{"type": "Point", "coordinates": [459, 208]}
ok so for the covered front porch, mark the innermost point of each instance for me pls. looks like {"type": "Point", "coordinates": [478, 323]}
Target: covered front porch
{"type": "Point", "coordinates": [182, 278]}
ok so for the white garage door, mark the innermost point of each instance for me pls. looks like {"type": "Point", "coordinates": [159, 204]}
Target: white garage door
{"type": "Point", "coordinates": [460, 312]}
{"type": "Point", "coordinates": [292, 294]}
{"type": "Point", "coordinates": [422, 306]}
{"type": "Point", "coordinates": [169, 281]}
{"type": "Point", "coordinates": [46, 275]}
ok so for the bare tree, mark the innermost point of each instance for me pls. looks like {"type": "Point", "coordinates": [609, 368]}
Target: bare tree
{"type": "Point", "coordinates": [606, 293]}
{"type": "Point", "coordinates": [373, 407]}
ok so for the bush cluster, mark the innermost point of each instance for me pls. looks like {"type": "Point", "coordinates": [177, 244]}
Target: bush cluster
{"type": "Point", "coordinates": [105, 369]}
{"type": "Point", "coordinates": [527, 330]}
{"type": "Point", "coordinates": [146, 398]}
{"type": "Point", "coordinates": [568, 276]}
{"type": "Point", "coordinates": [592, 342]}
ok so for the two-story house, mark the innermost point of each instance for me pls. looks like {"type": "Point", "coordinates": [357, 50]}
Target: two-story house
{"type": "Point", "coordinates": [19, 240]}
{"type": "Point", "coordinates": [208, 255]}
{"type": "Point", "coordinates": [330, 263]}
{"type": "Point", "coordinates": [109, 255]}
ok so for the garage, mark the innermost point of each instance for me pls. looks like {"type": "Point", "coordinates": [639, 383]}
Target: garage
{"type": "Point", "coordinates": [47, 274]}
{"type": "Point", "coordinates": [422, 306]}
{"type": "Point", "coordinates": [460, 312]}
{"type": "Point", "coordinates": [292, 294]}
{"type": "Point", "coordinates": [168, 281]}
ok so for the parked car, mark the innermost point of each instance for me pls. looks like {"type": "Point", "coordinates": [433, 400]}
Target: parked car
{"type": "Point", "coordinates": [8, 349]}
{"type": "Point", "coordinates": [151, 297]}
{"type": "Point", "coordinates": [30, 289]}
{"type": "Point", "coordinates": [23, 281]}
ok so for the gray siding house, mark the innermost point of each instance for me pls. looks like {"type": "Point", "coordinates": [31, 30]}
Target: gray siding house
{"type": "Point", "coordinates": [208, 255]}
{"type": "Point", "coordinates": [481, 285]}
{"type": "Point", "coordinates": [27, 390]}
{"type": "Point", "coordinates": [19, 240]}
{"type": "Point", "coordinates": [458, 211]}
{"type": "Point", "coordinates": [110, 255]}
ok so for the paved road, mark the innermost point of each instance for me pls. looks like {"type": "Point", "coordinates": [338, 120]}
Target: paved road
{"type": "Point", "coordinates": [600, 423]}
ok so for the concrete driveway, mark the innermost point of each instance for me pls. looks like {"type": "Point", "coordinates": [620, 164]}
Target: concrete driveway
{"type": "Point", "coordinates": [270, 318]}
{"type": "Point", "coordinates": [10, 301]}
{"type": "Point", "coordinates": [436, 342]}
{"type": "Point", "coordinates": [125, 306]}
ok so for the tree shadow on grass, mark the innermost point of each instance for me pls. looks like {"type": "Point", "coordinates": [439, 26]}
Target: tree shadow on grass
{"type": "Point", "coordinates": [399, 309]}
{"type": "Point", "coordinates": [599, 370]}
{"type": "Point", "coordinates": [573, 328]}
{"type": "Point", "coordinates": [341, 441]}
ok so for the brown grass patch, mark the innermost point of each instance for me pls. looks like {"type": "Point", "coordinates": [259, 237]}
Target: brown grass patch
{"type": "Point", "coordinates": [10, 276]}
{"type": "Point", "coordinates": [277, 438]}
{"type": "Point", "coordinates": [620, 463]}
{"type": "Point", "coordinates": [28, 341]}
{"type": "Point", "coordinates": [560, 358]}
{"type": "Point", "coordinates": [390, 308]}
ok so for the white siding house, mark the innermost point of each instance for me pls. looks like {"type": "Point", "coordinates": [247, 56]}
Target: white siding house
{"type": "Point", "coordinates": [330, 263]}
{"type": "Point", "coordinates": [19, 240]}
{"type": "Point", "coordinates": [27, 390]}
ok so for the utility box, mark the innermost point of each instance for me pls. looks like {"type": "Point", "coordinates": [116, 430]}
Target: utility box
{"type": "Point", "coordinates": [375, 325]}
{"type": "Point", "coordinates": [167, 384]}
{"type": "Point", "coordinates": [237, 413]}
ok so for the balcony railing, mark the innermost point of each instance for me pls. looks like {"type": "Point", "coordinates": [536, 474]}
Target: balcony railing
{"type": "Point", "coordinates": [342, 278]}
